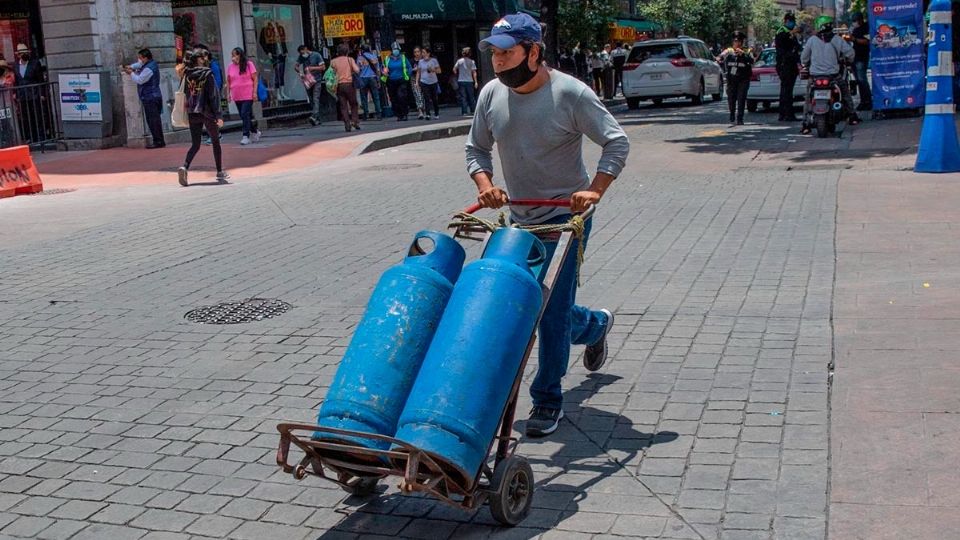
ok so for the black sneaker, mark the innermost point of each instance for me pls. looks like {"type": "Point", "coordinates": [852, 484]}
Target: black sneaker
{"type": "Point", "coordinates": [596, 355]}
{"type": "Point", "coordinates": [222, 177]}
{"type": "Point", "coordinates": [543, 421]}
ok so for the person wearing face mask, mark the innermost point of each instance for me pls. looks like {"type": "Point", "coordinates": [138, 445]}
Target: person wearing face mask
{"type": "Point", "coordinates": [312, 62]}
{"type": "Point", "coordinates": [788, 64]}
{"type": "Point", "coordinates": [146, 73]}
{"type": "Point", "coordinates": [396, 73]}
{"type": "Point", "coordinates": [538, 117]}
{"type": "Point", "coordinates": [26, 71]}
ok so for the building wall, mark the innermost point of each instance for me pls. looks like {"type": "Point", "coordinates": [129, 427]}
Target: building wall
{"type": "Point", "coordinates": [90, 35]}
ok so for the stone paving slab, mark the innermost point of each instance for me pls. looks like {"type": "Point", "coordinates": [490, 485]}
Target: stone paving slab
{"type": "Point", "coordinates": [710, 420]}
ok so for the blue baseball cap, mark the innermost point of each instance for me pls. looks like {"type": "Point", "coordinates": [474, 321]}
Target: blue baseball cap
{"type": "Point", "coordinates": [512, 29]}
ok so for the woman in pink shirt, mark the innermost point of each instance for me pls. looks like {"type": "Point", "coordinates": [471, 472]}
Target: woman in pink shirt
{"type": "Point", "coordinates": [345, 66]}
{"type": "Point", "coordinates": [242, 89]}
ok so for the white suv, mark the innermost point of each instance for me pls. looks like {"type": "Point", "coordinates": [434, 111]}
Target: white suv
{"type": "Point", "coordinates": [665, 68]}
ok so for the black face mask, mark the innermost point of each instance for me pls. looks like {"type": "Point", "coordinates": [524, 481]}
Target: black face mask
{"type": "Point", "coordinates": [519, 75]}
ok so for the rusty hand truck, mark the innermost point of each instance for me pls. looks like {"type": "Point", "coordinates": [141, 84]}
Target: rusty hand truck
{"type": "Point", "coordinates": [508, 486]}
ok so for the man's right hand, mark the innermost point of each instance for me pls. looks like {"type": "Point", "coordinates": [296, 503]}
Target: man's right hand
{"type": "Point", "coordinates": [492, 197]}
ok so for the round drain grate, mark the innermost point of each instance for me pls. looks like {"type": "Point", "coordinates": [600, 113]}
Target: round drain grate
{"type": "Point", "coordinates": [244, 311]}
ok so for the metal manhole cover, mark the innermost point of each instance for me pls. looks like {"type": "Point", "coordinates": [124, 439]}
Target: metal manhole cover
{"type": "Point", "coordinates": [244, 311]}
{"type": "Point", "coordinates": [56, 191]}
{"type": "Point", "coordinates": [392, 167]}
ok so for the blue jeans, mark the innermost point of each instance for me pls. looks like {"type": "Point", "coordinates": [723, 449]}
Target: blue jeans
{"type": "Point", "coordinates": [468, 97]}
{"type": "Point", "coordinates": [563, 323]}
{"type": "Point", "coordinates": [245, 108]}
{"type": "Point", "coordinates": [369, 84]}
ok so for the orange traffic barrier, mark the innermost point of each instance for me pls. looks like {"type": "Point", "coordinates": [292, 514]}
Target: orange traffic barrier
{"type": "Point", "coordinates": [18, 174]}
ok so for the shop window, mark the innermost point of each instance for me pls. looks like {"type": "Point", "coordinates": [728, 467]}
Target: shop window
{"type": "Point", "coordinates": [19, 23]}
{"type": "Point", "coordinates": [279, 29]}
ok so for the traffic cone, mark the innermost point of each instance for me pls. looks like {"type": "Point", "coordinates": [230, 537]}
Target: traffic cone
{"type": "Point", "coordinates": [939, 150]}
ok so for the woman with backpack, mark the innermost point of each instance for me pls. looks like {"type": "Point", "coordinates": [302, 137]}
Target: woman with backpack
{"type": "Point", "coordinates": [203, 111]}
{"type": "Point", "coordinates": [242, 78]}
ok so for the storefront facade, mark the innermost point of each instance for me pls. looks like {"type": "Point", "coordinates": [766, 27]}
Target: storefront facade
{"type": "Point", "coordinates": [97, 36]}
{"type": "Point", "coordinates": [20, 23]}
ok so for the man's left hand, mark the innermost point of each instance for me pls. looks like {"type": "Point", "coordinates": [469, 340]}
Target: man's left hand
{"type": "Point", "coordinates": [581, 200]}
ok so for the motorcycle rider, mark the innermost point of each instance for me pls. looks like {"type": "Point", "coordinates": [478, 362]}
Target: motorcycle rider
{"type": "Point", "coordinates": [788, 61]}
{"type": "Point", "coordinates": [737, 65]}
{"type": "Point", "coordinates": [823, 54]}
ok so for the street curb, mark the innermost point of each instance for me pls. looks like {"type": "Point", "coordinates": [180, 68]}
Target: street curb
{"type": "Point", "coordinates": [435, 133]}
{"type": "Point", "coordinates": [430, 134]}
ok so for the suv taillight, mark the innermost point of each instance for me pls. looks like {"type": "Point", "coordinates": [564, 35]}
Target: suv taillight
{"type": "Point", "coordinates": [630, 67]}
{"type": "Point", "coordinates": [682, 62]}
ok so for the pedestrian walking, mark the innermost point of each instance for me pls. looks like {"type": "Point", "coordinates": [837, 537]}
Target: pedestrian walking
{"type": "Point", "coordinates": [241, 87]}
{"type": "Point", "coordinates": [146, 73]}
{"type": "Point", "coordinates": [596, 71]}
{"type": "Point", "coordinates": [737, 65]}
{"type": "Point", "coordinates": [415, 86]}
{"type": "Point", "coordinates": [396, 73]}
{"type": "Point", "coordinates": [345, 68]}
{"type": "Point", "coordinates": [606, 55]}
{"type": "Point", "coordinates": [537, 118]}
{"type": "Point", "coordinates": [203, 110]}
{"type": "Point", "coordinates": [619, 56]}
{"type": "Point", "coordinates": [788, 64]}
{"type": "Point", "coordinates": [466, 71]}
{"type": "Point", "coordinates": [311, 63]}
{"type": "Point", "coordinates": [567, 64]}
{"type": "Point", "coordinates": [580, 62]}
{"type": "Point", "coordinates": [217, 72]}
{"type": "Point", "coordinates": [369, 81]}
{"type": "Point", "coordinates": [860, 36]}
{"type": "Point", "coordinates": [429, 83]}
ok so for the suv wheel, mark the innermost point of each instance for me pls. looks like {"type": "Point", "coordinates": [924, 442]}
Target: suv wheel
{"type": "Point", "coordinates": [633, 103]}
{"type": "Point", "coordinates": [719, 95]}
{"type": "Point", "coordinates": [698, 98]}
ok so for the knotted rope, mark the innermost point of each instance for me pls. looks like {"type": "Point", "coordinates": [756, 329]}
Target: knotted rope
{"type": "Point", "coordinates": [576, 225]}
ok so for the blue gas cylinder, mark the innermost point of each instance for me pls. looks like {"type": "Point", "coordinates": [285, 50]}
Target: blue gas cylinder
{"type": "Point", "coordinates": [381, 363]}
{"type": "Point", "coordinates": [455, 406]}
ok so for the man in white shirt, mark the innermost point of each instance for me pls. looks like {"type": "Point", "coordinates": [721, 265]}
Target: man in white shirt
{"type": "Point", "coordinates": [466, 70]}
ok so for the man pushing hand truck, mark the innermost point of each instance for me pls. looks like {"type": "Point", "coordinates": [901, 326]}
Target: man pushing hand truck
{"type": "Point", "coordinates": [538, 116]}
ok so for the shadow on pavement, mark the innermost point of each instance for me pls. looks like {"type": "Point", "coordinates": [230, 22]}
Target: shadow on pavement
{"type": "Point", "coordinates": [576, 454]}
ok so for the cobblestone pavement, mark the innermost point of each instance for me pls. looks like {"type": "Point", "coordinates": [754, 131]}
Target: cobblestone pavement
{"type": "Point", "coordinates": [122, 420]}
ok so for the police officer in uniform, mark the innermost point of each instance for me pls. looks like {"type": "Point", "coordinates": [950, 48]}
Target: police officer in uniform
{"type": "Point", "coordinates": [788, 61]}
{"type": "Point", "coordinates": [737, 63]}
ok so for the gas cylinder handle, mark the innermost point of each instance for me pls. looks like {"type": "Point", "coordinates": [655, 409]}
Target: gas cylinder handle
{"type": "Point", "coordinates": [558, 203]}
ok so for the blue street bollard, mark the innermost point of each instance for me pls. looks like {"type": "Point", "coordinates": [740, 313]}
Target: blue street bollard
{"type": "Point", "coordinates": [939, 150]}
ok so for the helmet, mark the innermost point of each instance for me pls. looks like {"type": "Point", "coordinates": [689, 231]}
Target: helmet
{"type": "Point", "coordinates": [740, 36]}
{"type": "Point", "coordinates": [823, 23]}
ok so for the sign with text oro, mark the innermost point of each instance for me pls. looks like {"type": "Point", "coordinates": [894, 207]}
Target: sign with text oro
{"type": "Point", "coordinates": [344, 25]}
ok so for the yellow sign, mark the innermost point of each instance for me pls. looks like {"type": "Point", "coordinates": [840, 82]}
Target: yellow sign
{"type": "Point", "coordinates": [622, 33]}
{"type": "Point", "coordinates": [346, 25]}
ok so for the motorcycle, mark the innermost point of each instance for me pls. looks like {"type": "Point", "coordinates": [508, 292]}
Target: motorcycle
{"type": "Point", "coordinates": [825, 106]}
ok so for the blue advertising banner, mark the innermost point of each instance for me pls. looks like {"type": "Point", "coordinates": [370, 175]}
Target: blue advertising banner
{"type": "Point", "coordinates": [896, 53]}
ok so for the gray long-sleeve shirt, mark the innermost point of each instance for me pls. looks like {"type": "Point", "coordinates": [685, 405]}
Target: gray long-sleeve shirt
{"type": "Point", "coordinates": [539, 138]}
{"type": "Point", "coordinates": [824, 57]}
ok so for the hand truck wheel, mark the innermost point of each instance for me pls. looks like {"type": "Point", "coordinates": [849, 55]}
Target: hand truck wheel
{"type": "Point", "coordinates": [513, 479]}
{"type": "Point", "coordinates": [361, 486]}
